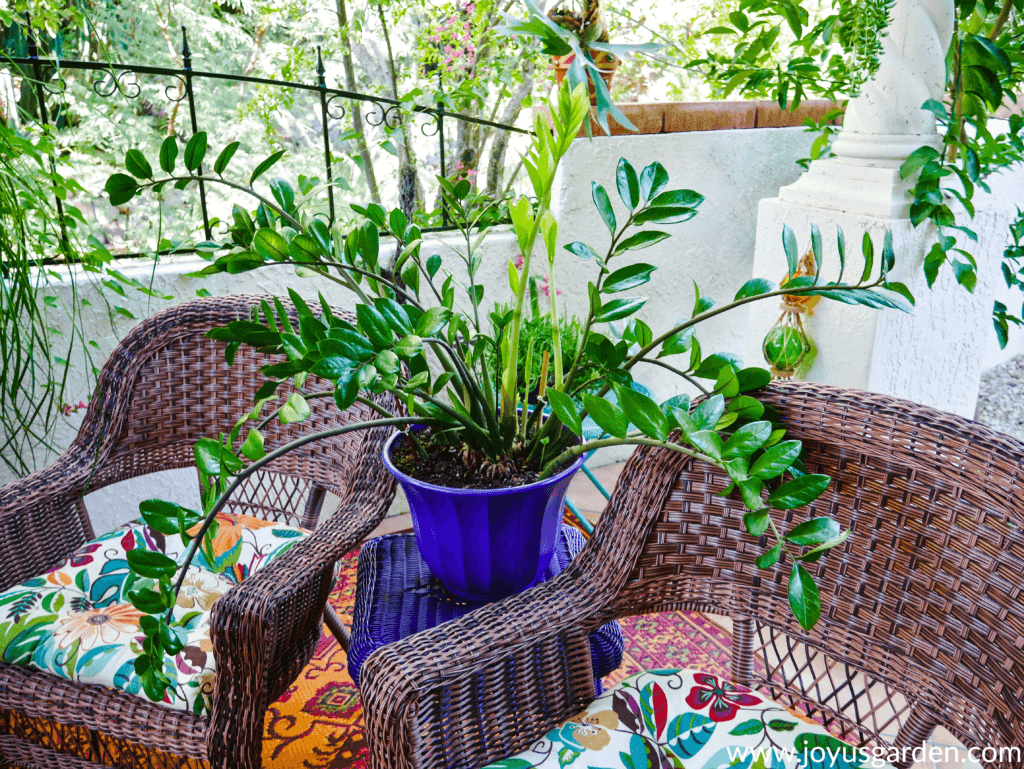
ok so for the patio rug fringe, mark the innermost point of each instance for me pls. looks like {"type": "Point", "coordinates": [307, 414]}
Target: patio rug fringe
{"type": "Point", "coordinates": [318, 723]}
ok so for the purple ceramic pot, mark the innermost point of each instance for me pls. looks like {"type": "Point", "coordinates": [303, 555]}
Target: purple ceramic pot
{"type": "Point", "coordinates": [485, 544]}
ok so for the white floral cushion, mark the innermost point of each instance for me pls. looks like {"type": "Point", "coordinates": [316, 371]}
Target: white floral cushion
{"type": "Point", "coordinates": [685, 719]}
{"type": "Point", "coordinates": [75, 621]}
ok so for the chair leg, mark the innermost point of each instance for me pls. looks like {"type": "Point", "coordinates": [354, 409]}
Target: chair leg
{"type": "Point", "coordinates": [337, 628]}
{"type": "Point", "coordinates": [743, 651]}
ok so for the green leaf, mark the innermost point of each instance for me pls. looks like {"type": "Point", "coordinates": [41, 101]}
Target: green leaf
{"type": "Point", "coordinates": [168, 154]}
{"type": "Point", "coordinates": [147, 601]}
{"type": "Point", "coordinates": [582, 250]}
{"type": "Point", "coordinates": [756, 522]}
{"type": "Point", "coordinates": [747, 440]}
{"type": "Point", "coordinates": [617, 309]}
{"type": "Point", "coordinates": [270, 244]}
{"type": "Point", "coordinates": [433, 264]}
{"type": "Point", "coordinates": [743, 406]}
{"type": "Point", "coordinates": [396, 317]}
{"type": "Point", "coordinates": [638, 240]}
{"type": "Point", "coordinates": [789, 246]}
{"type": "Point", "coordinates": [708, 442]}
{"type": "Point", "coordinates": [121, 188]}
{"type": "Point", "coordinates": [283, 194]}
{"type": "Point", "coordinates": [195, 151]}
{"type": "Point", "coordinates": [303, 248]}
{"type": "Point", "coordinates": [753, 378]}
{"type": "Point", "coordinates": [432, 321]}
{"type": "Point", "coordinates": [814, 531]}
{"type": "Point", "coordinates": [804, 599]}
{"type": "Point", "coordinates": [664, 215]}
{"type": "Point", "coordinates": [755, 287]}
{"type": "Point", "coordinates": [869, 256]}
{"type": "Point", "coordinates": [374, 326]}
{"type": "Point", "coordinates": [727, 384]}
{"type": "Point", "coordinates": [750, 490]}
{"type": "Point", "coordinates": [628, 183]}
{"type": "Point", "coordinates": [841, 245]}
{"type": "Point", "coordinates": [678, 343]}
{"type": "Point", "coordinates": [712, 365]}
{"type": "Point", "coordinates": [798, 492]}
{"type": "Point", "coordinates": [687, 198]}
{"type": "Point", "coordinates": [776, 460]}
{"type": "Point", "coordinates": [813, 555]}
{"type": "Point", "coordinates": [816, 247]}
{"type": "Point", "coordinates": [211, 457]}
{"type": "Point", "coordinates": [252, 448]}
{"type": "Point", "coordinates": [608, 416]}
{"type": "Point", "coordinates": [296, 409]}
{"type": "Point", "coordinates": [768, 559]}
{"type": "Point", "coordinates": [707, 414]}
{"type": "Point", "coordinates": [263, 167]}
{"type": "Point", "coordinates": [221, 164]}
{"type": "Point", "coordinates": [653, 180]}
{"type": "Point", "coordinates": [628, 277]}
{"type": "Point", "coordinates": [409, 347]}
{"type": "Point", "coordinates": [151, 564]}
{"type": "Point", "coordinates": [644, 413]}
{"type": "Point", "coordinates": [137, 165]}
{"type": "Point", "coordinates": [919, 158]}
{"type": "Point", "coordinates": [604, 206]}
{"type": "Point", "coordinates": [565, 410]}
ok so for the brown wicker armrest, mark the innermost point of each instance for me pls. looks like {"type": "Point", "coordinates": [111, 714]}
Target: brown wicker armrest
{"type": "Point", "coordinates": [265, 629]}
{"type": "Point", "coordinates": [485, 686]}
{"type": "Point", "coordinates": [42, 518]}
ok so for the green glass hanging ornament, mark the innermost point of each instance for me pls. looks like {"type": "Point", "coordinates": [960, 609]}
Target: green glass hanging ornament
{"type": "Point", "coordinates": [788, 347]}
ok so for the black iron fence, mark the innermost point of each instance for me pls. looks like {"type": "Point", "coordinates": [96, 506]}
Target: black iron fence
{"type": "Point", "coordinates": [46, 78]}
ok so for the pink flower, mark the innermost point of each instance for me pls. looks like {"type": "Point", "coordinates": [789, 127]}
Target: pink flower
{"type": "Point", "coordinates": [546, 288]}
{"type": "Point", "coordinates": [518, 260]}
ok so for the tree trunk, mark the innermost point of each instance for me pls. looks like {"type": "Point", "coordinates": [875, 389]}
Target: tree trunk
{"type": "Point", "coordinates": [354, 108]}
{"type": "Point", "coordinates": [496, 167]}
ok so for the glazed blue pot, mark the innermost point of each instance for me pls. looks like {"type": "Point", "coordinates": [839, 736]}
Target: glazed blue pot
{"type": "Point", "coordinates": [485, 544]}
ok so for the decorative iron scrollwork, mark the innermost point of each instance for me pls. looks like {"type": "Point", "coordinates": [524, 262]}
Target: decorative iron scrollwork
{"type": "Point", "coordinates": [384, 115]}
{"type": "Point", "coordinates": [433, 126]}
{"type": "Point", "coordinates": [176, 91]}
{"type": "Point", "coordinates": [123, 82]}
{"type": "Point", "coordinates": [334, 109]}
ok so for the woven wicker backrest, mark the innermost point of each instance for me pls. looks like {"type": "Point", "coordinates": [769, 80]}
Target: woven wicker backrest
{"type": "Point", "coordinates": [167, 385]}
{"type": "Point", "coordinates": [923, 613]}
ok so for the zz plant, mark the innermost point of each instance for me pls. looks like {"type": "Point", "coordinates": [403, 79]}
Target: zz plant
{"type": "Point", "coordinates": [423, 333]}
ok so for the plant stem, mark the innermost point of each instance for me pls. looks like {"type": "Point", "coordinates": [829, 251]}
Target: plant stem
{"type": "Point", "coordinates": [583, 448]}
{"type": "Point", "coordinates": [259, 465]}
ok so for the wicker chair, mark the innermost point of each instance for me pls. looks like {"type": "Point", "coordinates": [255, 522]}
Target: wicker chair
{"type": "Point", "coordinates": [923, 618]}
{"type": "Point", "coordinates": [164, 387]}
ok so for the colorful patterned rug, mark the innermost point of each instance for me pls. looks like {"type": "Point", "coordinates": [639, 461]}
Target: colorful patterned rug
{"type": "Point", "coordinates": [318, 723]}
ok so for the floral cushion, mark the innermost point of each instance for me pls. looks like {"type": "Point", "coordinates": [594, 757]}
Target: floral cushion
{"type": "Point", "coordinates": [685, 719]}
{"type": "Point", "coordinates": [76, 622]}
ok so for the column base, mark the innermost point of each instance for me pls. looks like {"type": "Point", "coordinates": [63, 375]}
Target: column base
{"type": "Point", "coordinates": [863, 178]}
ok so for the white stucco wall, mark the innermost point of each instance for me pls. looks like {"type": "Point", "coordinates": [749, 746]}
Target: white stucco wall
{"type": "Point", "coordinates": [733, 169]}
{"type": "Point", "coordinates": [935, 355]}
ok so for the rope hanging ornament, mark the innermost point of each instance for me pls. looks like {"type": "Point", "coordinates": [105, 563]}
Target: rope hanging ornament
{"type": "Point", "coordinates": [788, 347]}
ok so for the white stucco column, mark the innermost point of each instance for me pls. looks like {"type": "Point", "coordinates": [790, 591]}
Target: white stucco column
{"type": "Point", "coordinates": [934, 355]}
{"type": "Point", "coordinates": [885, 123]}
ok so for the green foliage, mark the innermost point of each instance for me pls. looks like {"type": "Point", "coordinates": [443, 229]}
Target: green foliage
{"type": "Point", "coordinates": [986, 65]}
{"type": "Point", "coordinates": [775, 50]}
{"type": "Point", "coordinates": [464, 373]}
{"type": "Point", "coordinates": [581, 41]}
